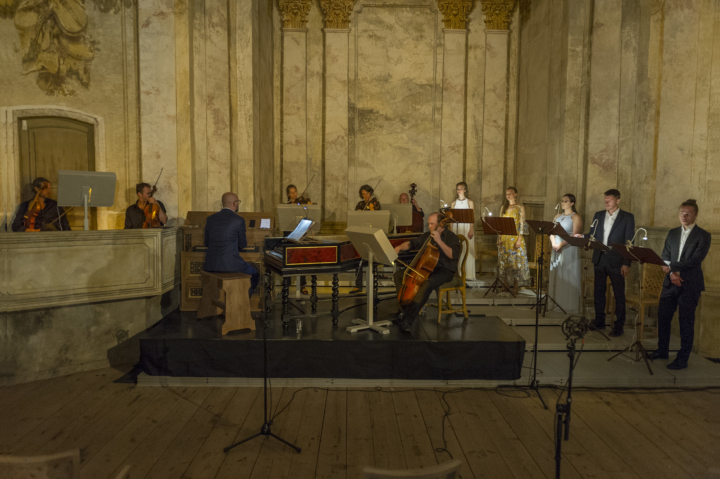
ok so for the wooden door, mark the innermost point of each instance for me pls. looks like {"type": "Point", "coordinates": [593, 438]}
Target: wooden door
{"type": "Point", "coordinates": [49, 144]}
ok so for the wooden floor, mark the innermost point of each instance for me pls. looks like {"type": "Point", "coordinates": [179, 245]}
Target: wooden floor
{"type": "Point", "coordinates": [180, 432]}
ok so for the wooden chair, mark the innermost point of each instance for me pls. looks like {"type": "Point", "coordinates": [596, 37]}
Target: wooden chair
{"type": "Point", "coordinates": [652, 281]}
{"type": "Point", "coordinates": [64, 465]}
{"type": "Point", "coordinates": [228, 293]}
{"type": "Point", "coordinates": [449, 470]}
{"type": "Point", "coordinates": [457, 284]}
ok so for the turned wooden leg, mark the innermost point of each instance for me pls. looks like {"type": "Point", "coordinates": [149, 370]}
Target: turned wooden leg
{"type": "Point", "coordinates": [285, 300]}
{"type": "Point", "coordinates": [313, 297]}
{"type": "Point", "coordinates": [335, 295]}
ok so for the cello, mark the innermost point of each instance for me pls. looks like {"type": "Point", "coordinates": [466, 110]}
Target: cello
{"type": "Point", "coordinates": [34, 209]}
{"type": "Point", "coordinates": [421, 266]}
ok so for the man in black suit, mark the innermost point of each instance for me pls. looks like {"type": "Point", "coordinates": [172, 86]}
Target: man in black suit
{"type": "Point", "coordinates": [685, 249]}
{"type": "Point", "coordinates": [612, 225]}
{"type": "Point", "coordinates": [225, 238]}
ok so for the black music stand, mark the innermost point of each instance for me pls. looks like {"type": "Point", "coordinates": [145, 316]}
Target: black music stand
{"type": "Point", "coordinates": [642, 256]}
{"type": "Point", "coordinates": [504, 226]}
{"type": "Point", "coordinates": [544, 228]}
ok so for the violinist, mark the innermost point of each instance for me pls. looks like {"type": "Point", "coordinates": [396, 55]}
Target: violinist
{"type": "Point", "coordinates": [368, 201]}
{"type": "Point", "coordinates": [418, 222]}
{"type": "Point", "coordinates": [292, 196]}
{"type": "Point", "coordinates": [135, 215]}
{"type": "Point", "coordinates": [44, 214]}
{"type": "Point", "coordinates": [449, 247]}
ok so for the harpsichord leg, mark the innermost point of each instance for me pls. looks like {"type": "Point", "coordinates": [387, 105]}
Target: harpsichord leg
{"type": "Point", "coordinates": [335, 295]}
{"type": "Point", "coordinates": [313, 292]}
{"type": "Point", "coordinates": [285, 300]}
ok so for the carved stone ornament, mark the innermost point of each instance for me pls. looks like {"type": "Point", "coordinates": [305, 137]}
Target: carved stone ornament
{"type": "Point", "coordinates": [455, 13]}
{"type": "Point", "coordinates": [498, 13]}
{"type": "Point", "coordinates": [337, 12]}
{"type": "Point", "coordinates": [294, 12]}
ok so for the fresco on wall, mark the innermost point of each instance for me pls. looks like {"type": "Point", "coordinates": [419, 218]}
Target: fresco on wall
{"type": "Point", "coordinates": [54, 42]}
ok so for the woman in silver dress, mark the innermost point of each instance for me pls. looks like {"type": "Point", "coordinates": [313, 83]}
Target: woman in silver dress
{"type": "Point", "coordinates": [565, 273]}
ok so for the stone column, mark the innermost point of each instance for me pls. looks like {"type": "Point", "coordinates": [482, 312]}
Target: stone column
{"type": "Point", "coordinates": [337, 22]}
{"type": "Point", "coordinates": [452, 146]}
{"type": "Point", "coordinates": [294, 102]}
{"type": "Point", "coordinates": [497, 20]}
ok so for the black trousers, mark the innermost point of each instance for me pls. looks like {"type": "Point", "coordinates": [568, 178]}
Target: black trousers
{"type": "Point", "coordinates": [604, 270]}
{"type": "Point", "coordinates": [436, 279]}
{"type": "Point", "coordinates": [672, 298]}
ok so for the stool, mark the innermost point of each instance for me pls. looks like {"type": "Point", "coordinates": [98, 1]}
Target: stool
{"type": "Point", "coordinates": [228, 293]}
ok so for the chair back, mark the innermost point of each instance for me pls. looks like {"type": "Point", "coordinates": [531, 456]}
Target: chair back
{"type": "Point", "coordinates": [449, 470]}
{"type": "Point", "coordinates": [653, 277]}
{"type": "Point", "coordinates": [65, 465]}
{"type": "Point", "coordinates": [463, 258]}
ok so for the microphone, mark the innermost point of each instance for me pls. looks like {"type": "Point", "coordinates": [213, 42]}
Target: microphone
{"type": "Point", "coordinates": [575, 327]}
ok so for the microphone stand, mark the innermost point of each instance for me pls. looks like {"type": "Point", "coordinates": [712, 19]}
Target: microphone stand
{"type": "Point", "coordinates": [267, 422]}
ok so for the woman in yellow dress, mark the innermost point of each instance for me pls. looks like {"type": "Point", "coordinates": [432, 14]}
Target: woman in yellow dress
{"type": "Point", "coordinates": [512, 252]}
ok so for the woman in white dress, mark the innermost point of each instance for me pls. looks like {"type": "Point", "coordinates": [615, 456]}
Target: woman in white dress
{"type": "Point", "coordinates": [565, 274]}
{"type": "Point", "coordinates": [466, 229]}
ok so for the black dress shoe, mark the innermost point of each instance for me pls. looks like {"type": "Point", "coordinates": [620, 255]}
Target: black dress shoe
{"type": "Point", "coordinates": [397, 317]}
{"type": "Point", "coordinates": [616, 331]}
{"type": "Point", "coordinates": [405, 326]}
{"type": "Point", "coordinates": [657, 354]}
{"type": "Point", "coordinates": [677, 364]}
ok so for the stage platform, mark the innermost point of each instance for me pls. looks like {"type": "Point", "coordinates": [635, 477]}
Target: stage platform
{"type": "Point", "coordinates": [480, 348]}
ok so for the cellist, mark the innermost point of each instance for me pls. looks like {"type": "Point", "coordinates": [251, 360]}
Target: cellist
{"type": "Point", "coordinates": [135, 215]}
{"type": "Point", "coordinates": [46, 211]}
{"type": "Point", "coordinates": [449, 247]}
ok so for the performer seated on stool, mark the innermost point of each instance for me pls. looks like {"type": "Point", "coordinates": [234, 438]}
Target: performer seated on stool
{"type": "Point", "coordinates": [225, 238]}
{"type": "Point", "coordinates": [449, 247]}
{"type": "Point", "coordinates": [685, 249]}
{"type": "Point", "coordinates": [47, 218]}
{"type": "Point", "coordinates": [613, 226]}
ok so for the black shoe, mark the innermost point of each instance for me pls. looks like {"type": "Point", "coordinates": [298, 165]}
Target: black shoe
{"type": "Point", "coordinates": [397, 317]}
{"type": "Point", "coordinates": [405, 326]}
{"type": "Point", "coordinates": [596, 327]}
{"type": "Point", "coordinates": [617, 330]}
{"type": "Point", "coordinates": [677, 364]}
{"type": "Point", "coordinates": [657, 354]}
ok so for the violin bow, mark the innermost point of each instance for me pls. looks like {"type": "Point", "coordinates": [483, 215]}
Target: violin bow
{"type": "Point", "coordinates": [307, 186]}
{"type": "Point", "coordinates": [154, 187]}
{"type": "Point", "coordinates": [372, 195]}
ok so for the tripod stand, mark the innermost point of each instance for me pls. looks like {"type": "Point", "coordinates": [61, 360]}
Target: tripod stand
{"type": "Point", "coordinates": [267, 421]}
{"type": "Point", "coordinates": [574, 329]}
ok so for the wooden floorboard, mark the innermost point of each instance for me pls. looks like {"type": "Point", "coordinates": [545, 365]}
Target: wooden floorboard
{"type": "Point", "coordinates": [174, 433]}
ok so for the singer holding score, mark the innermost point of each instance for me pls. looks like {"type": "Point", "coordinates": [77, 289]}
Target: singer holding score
{"type": "Point", "coordinates": [685, 249]}
{"type": "Point", "coordinates": [611, 225]}
{"type": "Point", "coordinates": [565, 277]}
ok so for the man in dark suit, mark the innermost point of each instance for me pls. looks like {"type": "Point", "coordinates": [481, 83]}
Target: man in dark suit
{"type": "Point", "coordinates": [685, 249]}
{"type": "Point", "coordinates": [611, 225]}
{"type": "Point", "coordinates": [225, 238]}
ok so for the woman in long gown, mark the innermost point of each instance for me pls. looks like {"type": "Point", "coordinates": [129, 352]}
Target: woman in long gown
{"type": "Point", "coordinates": [565, 273]}
{"type": "Point", "coordinates": [462, 202]}
{"type": "Point", "coordinates": [512, 252]}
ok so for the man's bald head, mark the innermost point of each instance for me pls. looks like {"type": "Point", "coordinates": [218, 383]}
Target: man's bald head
{"type": "Point", "coordinates": [404, 198]}
{"type": "Point", "coordinates": [230, 200]}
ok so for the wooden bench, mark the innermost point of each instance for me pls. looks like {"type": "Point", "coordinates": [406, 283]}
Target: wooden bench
{"type": "Point", "coordinates": [228, 293]}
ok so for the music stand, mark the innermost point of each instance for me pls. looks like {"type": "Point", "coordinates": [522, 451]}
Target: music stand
{"type": "Point", "coordinates": [642, 256]}
{"type": "Point", "coordinates": [86, 188]}
{"type": "Point", "coordinates": [369, 219]}
{"type": "Point", "coordinates": [373, 245]}
{"type": "Point", "coordinates": [504, 226]}
{"type": "Point", "coordinates": [545, 228]}
{"type": "Point", "coordinates": [290, 215]}
{"type": "Point", "coordinates": [462, 216]}
{"type": "Point", "coordinates": [401, 215]}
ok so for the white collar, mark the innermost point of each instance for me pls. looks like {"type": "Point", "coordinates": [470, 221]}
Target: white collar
{"type": "Point", "coordinates": [614, 214]}
{"type": "Point", "coordinates": [687, 229]}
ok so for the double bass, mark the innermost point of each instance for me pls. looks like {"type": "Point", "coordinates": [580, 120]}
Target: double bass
{"type": "Point", "coordinates": [34, 208]}
{"type": "Point", "coordinates": [421, 267]}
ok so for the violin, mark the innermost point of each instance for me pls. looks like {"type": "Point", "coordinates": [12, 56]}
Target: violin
{"type": "Point", "coordinates": [34, 209]}
{"type": "Point", "coordinates": [151, 210]}
{"type": "Point", "coordinates": [421, 267]}
{"type": "Point", "coordinates": [301, 200]}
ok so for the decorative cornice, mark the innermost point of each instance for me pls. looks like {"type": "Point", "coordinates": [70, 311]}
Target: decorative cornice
{"type": "Point", "coordinates": [294, 12]}
{"type": "Point", "coordinates": [455, 13]}
{"type": "Point", "coordinates": [337, 13]}
{"type": "Point", "coordinates": [498, 13]}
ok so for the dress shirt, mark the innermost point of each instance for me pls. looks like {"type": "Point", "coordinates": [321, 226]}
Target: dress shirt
{"type": "Point", "coordinates": [683, 238]}
{"type": "Point", "coordinates": [609, 221]}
